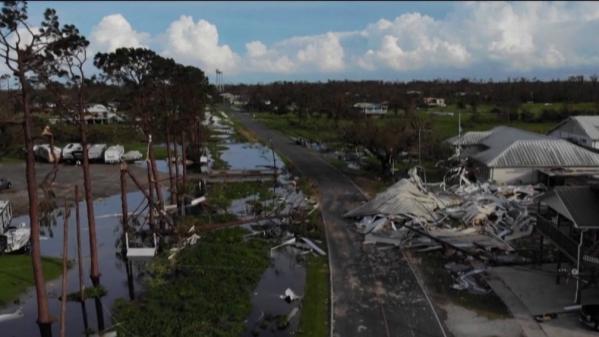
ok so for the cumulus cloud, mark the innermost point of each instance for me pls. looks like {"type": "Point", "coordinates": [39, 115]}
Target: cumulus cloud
{"type": "Point", "coordinates": [507, 36]}
{"type": "Point", "coordinates": [198, 43]}
{"type": "Point", "coordinates": [114, 31]}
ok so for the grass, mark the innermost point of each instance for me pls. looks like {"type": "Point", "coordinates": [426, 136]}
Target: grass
{"type": "Point", "coordinates": [314, 320]}
{"type": "Point", "coordinates": [221, 195]}
{"type": "Point", "coordinates": [159, 151]}
{"type": "Point", "coordinates": [216, 150]}
{"type": "Point", "coordinates": [206, 292]}
{"type": "Point", "coordinates": [16, 275]}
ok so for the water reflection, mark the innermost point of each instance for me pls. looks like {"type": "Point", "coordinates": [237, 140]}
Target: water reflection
{"type": "Point", "coordinates": [121, 279]}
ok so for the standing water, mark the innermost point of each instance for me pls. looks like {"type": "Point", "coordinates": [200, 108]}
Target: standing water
{"type": "Point", "coordinates": [94, 314]}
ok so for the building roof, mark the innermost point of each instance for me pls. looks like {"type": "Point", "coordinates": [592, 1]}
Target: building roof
{"type": "Point", "coordinates": [469, 138]}
{"type": "Point", "coordinates": [590, 125]}
{"type": "Point", "coordinates": [549, 152]}
{"type": "Point", "coordinates": [576, 203]}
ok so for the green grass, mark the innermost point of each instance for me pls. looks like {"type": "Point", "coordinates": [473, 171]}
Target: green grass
{"type": "Point", "coordinates": [206, 292]}
{"type": "Point", "coordinates": [314, 321]}
{"type": "Point", "coordinates": [159, 151]}
{"type": "Point", "coordinates": [221, 195]}
{"type": "Point", "coordinates": [16, 275]}
{"type": "Point", "coordinates": [216, 150]}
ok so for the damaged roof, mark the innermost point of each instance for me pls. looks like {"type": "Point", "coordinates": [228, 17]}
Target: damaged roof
{"type": "Point", "coordinates": [576, 203]}
{"type": "Point", "coordinates": [548, 152]}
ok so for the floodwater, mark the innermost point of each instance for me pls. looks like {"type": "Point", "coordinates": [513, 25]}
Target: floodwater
{"type": "Point", "coordinates": [284, 272]}
{"type": "Point", "coordinates": [120, 281]}
{"type": "Point", "coordinates": [246, 156]}
{"type": "Point", "coordinates": [113, 272]}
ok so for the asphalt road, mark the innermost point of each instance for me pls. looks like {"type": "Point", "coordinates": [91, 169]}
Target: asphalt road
{"type": "Point", "coordinates": [375, 292]}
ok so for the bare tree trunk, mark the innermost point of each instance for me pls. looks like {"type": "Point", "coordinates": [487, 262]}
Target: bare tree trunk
{"type": "Point", "coordinates": [125, 208]}
{"type": "Point", "coordinates": [65, 258]}
{"type": "Point", "coordinates": [43, 315]}
{"type": "Point", "coordinates": [184, 160]}
{"type": "Point", "coordinates": [157, 188]}
{"type": "Point", "coordinates": [177, 181]}
{"type": "Point", "coordinates": [89, 200]}
{"type": "Point", "coordinates": [150, 195]}
{"type": "Point", "coordinates": [79, 257]}
{"type": "Point", "coordinates": [184, 169]}
{"type": "Point", "coordinates": [170, 164]}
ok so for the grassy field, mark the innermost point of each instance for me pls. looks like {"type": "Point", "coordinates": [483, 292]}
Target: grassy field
{"type": "Point", "coordinates": [16, 275]}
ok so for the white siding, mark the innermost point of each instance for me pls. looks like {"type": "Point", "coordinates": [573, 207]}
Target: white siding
{"type": "Point", "coordinates": [513, 175]}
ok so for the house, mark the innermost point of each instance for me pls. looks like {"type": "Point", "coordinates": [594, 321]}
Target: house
{"type": "Point", "coordinates": [508, 155]}
{"type": "Point", "coordinates": [469, 142]}
{"type": "Point", "coordinates": [102, 114]}
{"type": "Point", "coordinates": [434, 101]}
{"type": "Point", "coordinates": [568, 217]}
{"type": "Point", "coordinates": [582, 130]}
{"type": "Point", "coordinates": [371, 109]}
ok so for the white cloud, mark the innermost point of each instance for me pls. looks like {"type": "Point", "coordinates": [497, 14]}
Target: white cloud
{"type": "Point", "coordinates": [114, 31]}
{"type": "Point", "coordinates": [324, 51]}
{"type": "Point", "coordinates": [260, 58]}
{"type": "Point", "coordinates": [411, 41]}
{"type": "Point", "coordinates": [508, 36]}
{"type": "Point", "coordinates": [197, 43]}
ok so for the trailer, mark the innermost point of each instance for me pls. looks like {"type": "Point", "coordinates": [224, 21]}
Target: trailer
{"type": "Point", "coordinates": [12, 237]}
{"type": "Point", "coordinates": [47, 153]}
{"type": "Point", "coordinates": [113, 154]}
{"type": "Point", "coordinates": [95, 153]}
{"type": "Point", "coordinates": [69, 149]}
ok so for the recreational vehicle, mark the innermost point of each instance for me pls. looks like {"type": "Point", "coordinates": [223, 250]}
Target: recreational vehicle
{"type": "Point", "coordinates": [12, 237]}
{"type": "Point", "coordinates": [113, 154]}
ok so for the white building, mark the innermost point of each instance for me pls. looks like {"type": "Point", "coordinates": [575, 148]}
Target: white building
{"type": "Point", "coordinates": [434, 101]}
{"type": "Point", "coordinates": [371, 109]}
{"type": "Point", "coordinates": [582, 130]}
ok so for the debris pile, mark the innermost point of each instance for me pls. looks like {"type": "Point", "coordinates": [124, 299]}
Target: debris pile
{"type": "Point", "coordinates": [474, 218]}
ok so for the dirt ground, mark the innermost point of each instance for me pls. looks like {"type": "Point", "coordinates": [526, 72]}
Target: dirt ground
{"type": "Point", "coordinates": [105, 181]}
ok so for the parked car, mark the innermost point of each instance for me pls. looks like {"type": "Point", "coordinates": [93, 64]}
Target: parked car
{"type": "Point", "coordinates": [5, 184]}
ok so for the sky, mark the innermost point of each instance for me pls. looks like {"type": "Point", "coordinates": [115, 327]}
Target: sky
{"type": "Point", "coordinates": [259, 42]}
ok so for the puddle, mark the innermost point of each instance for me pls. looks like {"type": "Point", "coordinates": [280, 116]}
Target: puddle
{"type": "Point", "coordinates": [114, 273]}
{"type": "Point", "coordinates": [247, 156]}
{"type": "Point", "coordinates": [284, 272]}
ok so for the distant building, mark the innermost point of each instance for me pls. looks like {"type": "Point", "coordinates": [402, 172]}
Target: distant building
{"type": "Point", "coordinates": [434, 101]}
{"type": "Point", "coordinates": [508, 155]}
{"type": "Point", "coordinates": [413, 92]}
{"type": "Point", "coordinates": [102, 114]}
{"type": "Point", "coordinates": [371, 109]}
{"type": "Point", "coordinates": [582, 130]}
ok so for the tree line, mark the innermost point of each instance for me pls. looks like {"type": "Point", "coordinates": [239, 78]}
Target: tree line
{"type": "Point", "coordinates": [48, 65]}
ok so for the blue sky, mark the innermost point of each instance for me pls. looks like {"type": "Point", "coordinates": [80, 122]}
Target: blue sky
{"type": "Point", "coordinates": [265, 41]}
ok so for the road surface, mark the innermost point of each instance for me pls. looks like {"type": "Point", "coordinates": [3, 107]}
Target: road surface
{"type": "Point", "coordinates": [375, 293]}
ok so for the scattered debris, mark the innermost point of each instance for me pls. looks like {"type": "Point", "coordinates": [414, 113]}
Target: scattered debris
{"type": "Point", "coordinates": [13, 315]}
{"type": "Point", "coordinates": [477, 220]}
{"type": "Point", "coordinates": [289, 296]}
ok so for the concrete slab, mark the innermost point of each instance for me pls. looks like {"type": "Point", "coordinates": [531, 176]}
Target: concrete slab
{"type": "Point", "coordinates": [528, 291]}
